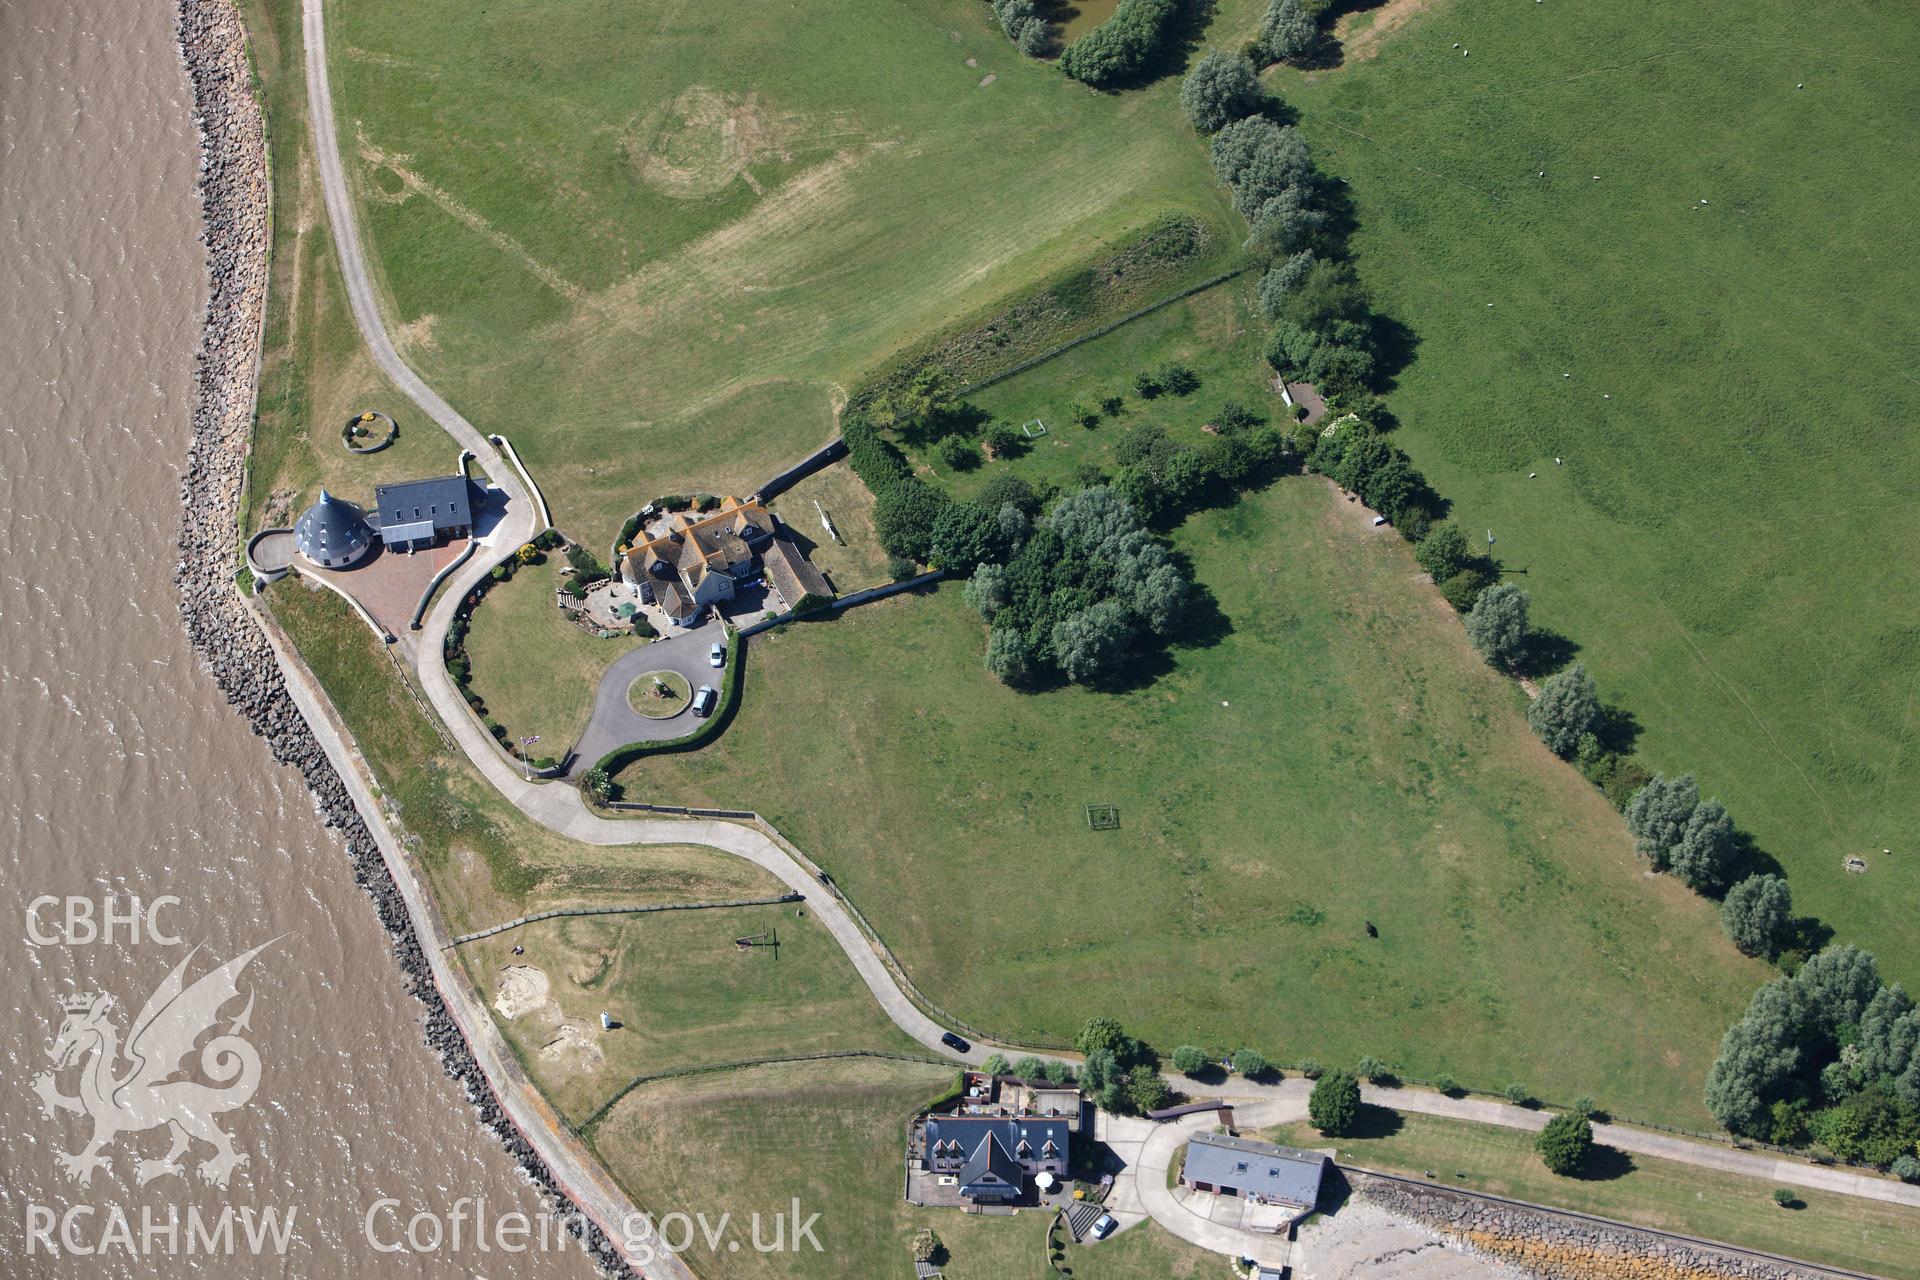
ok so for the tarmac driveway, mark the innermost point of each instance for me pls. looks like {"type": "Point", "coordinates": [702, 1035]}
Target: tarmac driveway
{"type": "Point", "coordinates": [615, 723]}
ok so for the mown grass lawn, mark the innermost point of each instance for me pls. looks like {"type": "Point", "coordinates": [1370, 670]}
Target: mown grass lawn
{"type": "Point", "coordinates": [1743, 280]}
{"type": "Point", "coordinates": [656, 245]}
{"type": "Point", "coordinates": [535, 669]}
{"type": "Point", "coordinates": [1338, 755]}
{"type": "Point", "coordinates": [1838, 1230]}
{"type": "Point", "coordinates": [683, 994]}
{"type": "Point", "coordinates": [834, 1135]}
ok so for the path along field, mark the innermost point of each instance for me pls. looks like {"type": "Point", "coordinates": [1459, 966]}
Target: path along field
{"type": "Point", "coordinates": [1338, 756]}
{"type": "Point", "coordinates": [654, 243]}
{"type": "Point", "coordinates": [1725, 540]}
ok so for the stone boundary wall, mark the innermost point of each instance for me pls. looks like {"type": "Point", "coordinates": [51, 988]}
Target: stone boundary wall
{"type": "Point", "coordinates": [1567, 1246]}
{"type": "Point", "coordinates": [235, 207]}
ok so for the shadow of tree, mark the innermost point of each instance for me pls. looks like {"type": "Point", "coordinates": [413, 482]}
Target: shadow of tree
{"type": "Point", "coordinates": [1604, 1164]}
{"type": "Point", "coordinates": [1376, 1122]}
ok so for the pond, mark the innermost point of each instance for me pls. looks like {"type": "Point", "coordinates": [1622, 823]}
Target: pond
{"type": "Point", "coordinates": [1077, 17]}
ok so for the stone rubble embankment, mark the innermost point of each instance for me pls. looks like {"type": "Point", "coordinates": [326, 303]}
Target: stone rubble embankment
{"type": "Point", "coordinates": [234, 195]}
{"type": "Point", "coordinates": [1554, 1247]}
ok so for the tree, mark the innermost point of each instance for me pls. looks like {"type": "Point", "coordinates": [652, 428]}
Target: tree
{"type": "Point", "coordinates": [1287, 32]}
{"type": "Point", "coordinates": [995, 1065]}
{"type": "Point", "coordinates": [1221, 88]}
{"type": "Point", "coordinates": [1103, 1033]}
{"type": "Point", "coordinates": [1498, 624]}
{"type": "Point", "coordinates": [965, 537]}
{"type": "Point", "coordinates": [1564, 1143]}
{"type": "Point", "coordinates": [1146, 384]}
{"type": "Point", "coordinates": [1010, 657]}
{"type": "Point", "coordinates": [986, 590]}
{"type": "Point", "coordinates": [1101, 1077]}
{"type": "Point", "coordinates": [1906, 1168]}
{"type": "Point", "coordinates": [1084, 414]}
{"type": "Point", "coordinates": [1002, 440]}
{"type": "Point", "coordinates": [1178, 378]}
{"type": "Point", "coordinates": [1003, 487]}
{"type": "Point", "coordinates": [1029, 1068]}
{"type": "Point", "coordinates": [527, 553]}
{"type": "Point", "coordinates": [1444, 552]}
{"type": "Point", "coordinates": [1584, 1105]}
{"type": "Point", "coordinates": [1371, 1068]}
{"type": "Point", "coordinates": [1657, 816]}
{"type": "Point", "coordinates": [1281, 279]}
{"type": "Point", "coordinates": [1334, 1104]}
{"type": "Point", "coordinates": [1518, 1094]}
{"type": "Point", "coordinates": [1839, 985]}
{"type": "Point", "coordinates": [1567, 707]}
{"type": "Point", "coordinates": [1285, 224]}
{"type": "Point", "coordinates": [1784, 1198]}
{"type": "Point", "coordinates": [956, 453]}
{"type": "Point", "coordinates": [1759, 1056]}
{"type": "Point", "coordinates": [1090, 644]}
{"type": "Point", "coordinates": [1146, 1089]}
{"type": "Point", "coordinates": [1447, 1085]}
{"type": "Point", "coordinates": [596, 785]}
{"type": "Point", "coordinates": [1056, 1071]}
{"type": "Point", "coordinates": [1250, 1063]}
{"type": "Point", "coordinates": [1705, 851]}
{"type": "Point", "coordinates": [1190, 1059]}
{"type": "Point", "coordinates": [1120, 48]}
{"type": "Point", "coordinates": [903, 517]}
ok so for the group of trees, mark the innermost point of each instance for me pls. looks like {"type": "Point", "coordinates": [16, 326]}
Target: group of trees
{"type": "Point", "coordinates": [905, 508]}
{"type": "Point", "coordinates": [1163, 479]}
{"type": "Point", "coordinates": [1355, 456]}
{"type": "Point", "coordinates": [1123, 47]}
{"type": "Point", "coordinates": [1191, 1059]}
{"type": "Point", "coordinates": [1674, 830]}
{"type": "Point", "coordinates": [1828, 1054]}
{"type": "Point", "coordinates": [1290, 29]}
{"type": "Point", "coordinates": [1119, 1073]}
{"type": "Point", "coordinates": [1021, 20]}
{"type": "Point", "coordinates": [1074, 593]}
{"type": "Point", "coordinates": [1323, 322]}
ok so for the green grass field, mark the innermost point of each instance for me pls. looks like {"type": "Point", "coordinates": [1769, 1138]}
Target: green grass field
{"type": "Point", "coordinates": [1838, 1230]}
{"type": "Point", "coordinates": [683, 993]}
{"type": "Point", "coordinates": [1724, 539]}
{"type": "Point", "coordinates": [834, 1135]}
{"type": "Point", "coordinates": [1340, 755]}
{"type": "Point", "coordinates": [655, 245]}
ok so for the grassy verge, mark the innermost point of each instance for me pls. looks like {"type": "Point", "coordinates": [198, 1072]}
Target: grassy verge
{"type": "Point", "coordinates": [536, 670]}
{"type": "Point", "coordinates": [1839, 1230]}
{"type": "Point", "coordinates": [1693, 210]}
{"type": "Point", "coordinates": [833, 1135]}
{"type": "Point", "coordinates": [1329, 752]}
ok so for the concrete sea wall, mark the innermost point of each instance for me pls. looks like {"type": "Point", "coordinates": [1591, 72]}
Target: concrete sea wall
{"type": "Point", "coordinates": [234, 195]}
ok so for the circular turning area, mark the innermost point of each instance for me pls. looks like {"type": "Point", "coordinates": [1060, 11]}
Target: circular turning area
{"type": "Point", "coordinates": [368, 432]}
{"type": "Point", "coordinates": [660, 695]}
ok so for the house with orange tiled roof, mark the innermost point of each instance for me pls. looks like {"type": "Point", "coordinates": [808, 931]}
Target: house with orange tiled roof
{"type": "Point", "coordinates": [693, 560]}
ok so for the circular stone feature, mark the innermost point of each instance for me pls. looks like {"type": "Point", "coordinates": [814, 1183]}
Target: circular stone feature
{"type": "Point", "coordinates": [368, 432]}
{"type": "Point", "coordinates": [645, 694]}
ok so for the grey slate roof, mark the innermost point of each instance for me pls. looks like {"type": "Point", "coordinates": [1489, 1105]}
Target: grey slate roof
{"type": "Point", "coordinates": [446, 501]}
{"type": "Point", "coordinates": [1255, 1169]}
{"type": "Point", "coordinates": [1036, 1131]}
{"type": "Point", "coordinates": [332, 532]}
{"type": "Point", "coordinates": [990, 1158]}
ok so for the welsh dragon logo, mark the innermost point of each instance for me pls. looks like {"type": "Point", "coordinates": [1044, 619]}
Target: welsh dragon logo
{"type": "Point", "coordinates": [152, 1088]}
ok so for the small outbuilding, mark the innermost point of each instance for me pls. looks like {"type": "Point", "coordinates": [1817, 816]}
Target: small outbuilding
{"type": "Point", "coordinates": [1259, 1171]}
{"type": "Point", "coordinates": [333, 533]}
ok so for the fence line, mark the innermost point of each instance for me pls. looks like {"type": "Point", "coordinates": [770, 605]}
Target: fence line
{"type": "Point", "coordinates": [1102, 331]}
{"type": "Point", "coordinates": [740, 1064]}
{"type": "Point", "coordinates": [640, 909]}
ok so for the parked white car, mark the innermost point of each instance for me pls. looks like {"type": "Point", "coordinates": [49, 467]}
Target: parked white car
{"type": "Point", "coordinates": [703, 701]}
{"type": "Point", "coordinates": [717, 656]}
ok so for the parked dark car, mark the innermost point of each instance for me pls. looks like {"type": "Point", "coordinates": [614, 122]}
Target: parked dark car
{"type": "Point", "coordinates": [954, 1042]}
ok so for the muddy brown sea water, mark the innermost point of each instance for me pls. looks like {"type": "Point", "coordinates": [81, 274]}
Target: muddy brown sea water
{"type": "Point", "coordinates": [125, 773]}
